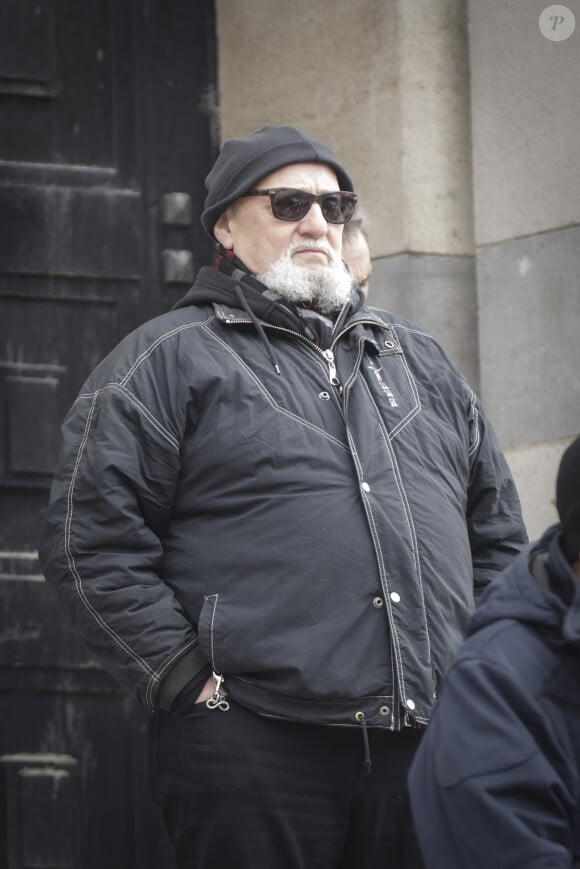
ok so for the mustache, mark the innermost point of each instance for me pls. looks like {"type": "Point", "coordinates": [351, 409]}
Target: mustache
{"type": "Point", "coordinates": [318, 245]}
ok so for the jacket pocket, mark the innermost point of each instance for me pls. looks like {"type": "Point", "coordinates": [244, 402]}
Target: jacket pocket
{"type": "Point", "coordinates": [207, 629]}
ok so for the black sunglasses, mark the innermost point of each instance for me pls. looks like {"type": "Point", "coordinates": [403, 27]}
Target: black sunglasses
{"type": "Point", "coordinates": [290, 204]}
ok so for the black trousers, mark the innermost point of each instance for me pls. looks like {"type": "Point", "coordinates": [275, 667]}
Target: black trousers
{"type": "Point", "coordinates": [240, 790]}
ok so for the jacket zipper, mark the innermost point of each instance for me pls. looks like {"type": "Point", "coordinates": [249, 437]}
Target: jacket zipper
{"type": "Point", "coordinates": [328, 355]}
{"type": "Point", "coordinates": [332, 375]}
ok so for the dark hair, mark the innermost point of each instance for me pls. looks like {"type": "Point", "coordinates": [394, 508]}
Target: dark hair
{"type": "Point", "coordinates": [568, 500]}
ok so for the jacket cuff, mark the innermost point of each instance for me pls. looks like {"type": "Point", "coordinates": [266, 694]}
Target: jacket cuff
{"type": "Point", "coordinates": [189, 666]}
{"type": "Point", "coordinates": [188, 695]}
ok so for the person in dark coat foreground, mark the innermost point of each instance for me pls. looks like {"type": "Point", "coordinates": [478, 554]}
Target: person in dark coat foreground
{"type": "Point", "coordinates": [277, 493]}
{"type": "Point", "coordinates": [495, 783]}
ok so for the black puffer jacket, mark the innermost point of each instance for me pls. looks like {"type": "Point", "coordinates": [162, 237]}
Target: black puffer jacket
{"type": "Point", "coordinates": [316, 535]}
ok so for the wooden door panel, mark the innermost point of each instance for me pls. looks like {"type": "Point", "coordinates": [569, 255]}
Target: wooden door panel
{"type": "Point", "coordinates": [47, 341]}
{"type": "Point", "coordinates": [26, 46]}
{"type": "Point", "coordinates": [105, 112]}
{"type": "Point", "coordinates": [58, 231]}
{"type": "Point", "coordinates": [72, 215]}
{"type": "Point", "coordinates": [64, 72]}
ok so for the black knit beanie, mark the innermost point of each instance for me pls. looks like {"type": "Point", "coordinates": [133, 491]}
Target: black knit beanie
{"type": "Point", "coordinates": [568, 500]}
{"type": "Point", "coordinates": [243, 162]}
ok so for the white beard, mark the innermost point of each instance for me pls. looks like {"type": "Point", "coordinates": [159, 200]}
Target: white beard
{"type": "Point", "coordinates": [329, 287]}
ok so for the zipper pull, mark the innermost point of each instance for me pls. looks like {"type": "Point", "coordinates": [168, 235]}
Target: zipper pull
{"type": "Point", "coordinates": [217, 700]}
{"type": "Point", "coordinates": [332, 376]}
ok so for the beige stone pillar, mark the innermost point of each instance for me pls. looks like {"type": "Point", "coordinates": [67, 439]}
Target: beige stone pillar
{"type": "Point", "coordinates": [526, 130]}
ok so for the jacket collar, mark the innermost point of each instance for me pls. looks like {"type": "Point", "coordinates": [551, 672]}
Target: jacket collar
{"type": "Point", "coordinates": [217, 287]}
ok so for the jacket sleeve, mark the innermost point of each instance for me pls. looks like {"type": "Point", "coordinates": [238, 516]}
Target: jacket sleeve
{"type": "Point", "coordinates": [101, 548]}
{"type": "Point", "coordinates": [494, 518]}
{"type": "Point", "coordinates": [487, 783]}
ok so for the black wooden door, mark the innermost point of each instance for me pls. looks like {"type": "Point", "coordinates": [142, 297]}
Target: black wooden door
{"type": "Point", "coordinates": [106, 115]}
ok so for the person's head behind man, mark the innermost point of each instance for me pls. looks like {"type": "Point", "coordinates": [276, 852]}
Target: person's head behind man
{"type": "Point", "coordinates": [259, 209]}
{"type": "Point", "coordinates": [355, 250]}
{"type": "Point", "coordinates": [568, 503]}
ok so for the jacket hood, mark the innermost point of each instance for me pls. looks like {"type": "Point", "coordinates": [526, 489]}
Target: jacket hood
{"type": "Point", "coordinates": [518, 592]}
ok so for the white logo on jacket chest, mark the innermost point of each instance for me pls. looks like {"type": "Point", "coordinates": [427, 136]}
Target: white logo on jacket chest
{"type": "Point", "coordinates": [384, 386]}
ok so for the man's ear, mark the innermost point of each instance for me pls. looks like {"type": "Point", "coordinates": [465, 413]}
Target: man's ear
{"type": "Point", "coordinates": [222, 231]}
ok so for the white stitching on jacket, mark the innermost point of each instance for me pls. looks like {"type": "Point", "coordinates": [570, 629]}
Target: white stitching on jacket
{"type": "Point", "coordinates": [70, 558]}
{"type": "Point", "coordinates": [270, 399]}
{"type": "Point", "coordinates": [414, 410]}
{"type": "Point", "coordinates": [140, 406]}
{"type": "Point", "coordinates": [211, 646]}
{"type": "Point", "coordinates": [156, 677]}
{"type": "Point", "coordinates": [408, 517]}
{"type": "Point", "coordinates": [473, 447]}
{"type": "Point", "coordinates": [152, 347]}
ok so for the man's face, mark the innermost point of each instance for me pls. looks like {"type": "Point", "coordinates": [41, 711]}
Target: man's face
{"type": "Point", "coordinates": [251, 231]}
{"type": "Point", "coordinates": [356, 254]}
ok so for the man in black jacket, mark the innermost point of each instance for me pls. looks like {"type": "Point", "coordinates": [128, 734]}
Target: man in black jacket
{"type": "Point", "coordinates": [275, 510]}
{"type": "Point", "coordinates": [496, 781]}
